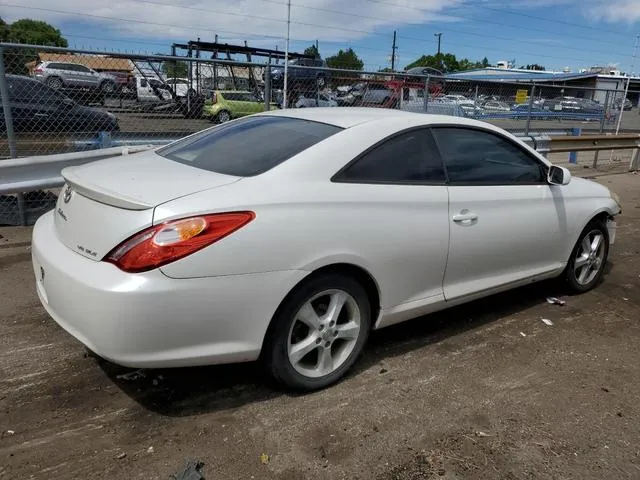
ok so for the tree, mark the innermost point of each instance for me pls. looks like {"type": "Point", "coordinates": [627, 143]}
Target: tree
{"type": "Point", "coordinates": [33, 32]}
{"type": "Point", "coordinates": [346, 59]}
{"type": "Point", "coordinates": [313, 51]}
{"type": "Point", "coordinates": [445, 62]}
{"type": "Point", "coordinates": [485, 62]}
{"type": "Point", "coordinates": [175, 69]}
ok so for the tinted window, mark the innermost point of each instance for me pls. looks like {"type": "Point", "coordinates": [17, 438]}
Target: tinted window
{"type": "Point", "coordinates": [474, 156]}
{"type": "Point", "coordinates": [31, 91]}
{"type": "Point", "coordinates": [408, 157]}
{"type": "Point", "coordinates": [82, 68]}
{"type": "Point", "coordinates": [248, 146]}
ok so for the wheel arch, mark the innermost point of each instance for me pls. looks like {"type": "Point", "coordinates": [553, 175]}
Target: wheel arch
{"type": "Point", "coordinates": [357, 272]}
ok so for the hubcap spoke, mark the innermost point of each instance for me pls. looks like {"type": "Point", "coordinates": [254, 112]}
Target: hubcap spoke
{"type": "Point", "coordinates": [586, 245]}
{"type": "Point", "coordinates": [595, 244]}
{"type": "Point", "coordinates": [336, 303]}
{"type": "Point", "coordinates": [325, 361]}
{"type": "Point", "coordinates": [348, 331]}
{"type": "Point", "coordinates": [581, 262]}
{"type": "Point", "coordinates": [583, 274]}
{"type": "Point", "coordinates": [302, 349]}
{"type": "Point", "coordinates": [309, 317]}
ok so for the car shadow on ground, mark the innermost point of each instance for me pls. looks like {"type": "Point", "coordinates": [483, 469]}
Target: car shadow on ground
{"type": "Point", "coordinates": [193, 391]}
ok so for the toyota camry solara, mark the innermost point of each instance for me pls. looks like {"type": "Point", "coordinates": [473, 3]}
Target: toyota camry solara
{"type": "Point", "coordinates": [288, 236]}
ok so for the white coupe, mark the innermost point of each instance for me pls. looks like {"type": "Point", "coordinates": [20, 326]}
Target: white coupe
{"type": "Point", "coordinates": [287, 236]}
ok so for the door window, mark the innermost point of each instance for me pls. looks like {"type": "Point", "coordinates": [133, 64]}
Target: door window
{"type": "Point", "coordinates": [474, 156]}
{"type": "Point", "coordinates": [410, 157]}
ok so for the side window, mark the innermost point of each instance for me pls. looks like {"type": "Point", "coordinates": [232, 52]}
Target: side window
{"type": "Point", "coordinates": [82, 69]}
{"type": "Point", "coordinates": [409, 157]}
{"type": "Point", "coordinates": [33, 92]}
{"type": "Point", "coordinates": [143, 82]}
{"type": "Point", "coordinates": [481, 157]}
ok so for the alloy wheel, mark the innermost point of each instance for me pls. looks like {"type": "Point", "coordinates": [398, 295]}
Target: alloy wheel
{"type": "Point", "coordinates": [324, 333]}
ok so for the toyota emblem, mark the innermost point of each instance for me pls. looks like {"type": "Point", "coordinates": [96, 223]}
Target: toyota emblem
{"type": "Point", "coordinates": [67, 194]}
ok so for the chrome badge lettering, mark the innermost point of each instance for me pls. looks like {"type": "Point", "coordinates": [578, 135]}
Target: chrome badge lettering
{"type": "Point", "coordinates": [61, 213]}
{"type": "Point", "coordinates": [87, 251]}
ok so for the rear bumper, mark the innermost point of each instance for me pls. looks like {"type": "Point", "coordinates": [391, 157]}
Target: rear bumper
{"type": "Point", "coordinates": [149, 320]}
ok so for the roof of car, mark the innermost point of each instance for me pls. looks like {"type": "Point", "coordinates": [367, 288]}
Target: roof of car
{"type": "Point", "coordinates": [346, 117]}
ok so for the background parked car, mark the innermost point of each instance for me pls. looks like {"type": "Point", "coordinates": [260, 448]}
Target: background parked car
{"type": "Point", "coordinates": [495, 106]}
{"type": "Point", "coordinates": [311, 100]}
{"type": "Point", "coordinates": [36, 107]}
{"type": "Point", "coordinates": [228, 104]}
{"type": "Point", "coordinates": [59, 75]}
{"type": "Point", "coordinates": [297, 72]}
{"type": "Point", "coordinates": [125, 82]}
{"type": "Point", "coordinates": [627, 104]}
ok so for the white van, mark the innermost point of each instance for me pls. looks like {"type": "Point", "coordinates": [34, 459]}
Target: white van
{"type": "Point", "coordinates": [151, 90]}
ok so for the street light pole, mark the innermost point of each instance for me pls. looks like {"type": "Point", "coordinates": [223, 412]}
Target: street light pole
{"type": "Point", "coordinates": [286, 56]}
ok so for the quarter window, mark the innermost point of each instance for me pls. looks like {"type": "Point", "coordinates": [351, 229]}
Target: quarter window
{"type": "Point", "coordinates": [480, 157]}
{"type": "Point", "coordinates": [410, 157]}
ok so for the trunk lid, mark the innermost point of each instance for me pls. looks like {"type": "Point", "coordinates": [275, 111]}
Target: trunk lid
{"type": "Point", "coordinates": [105, 202]}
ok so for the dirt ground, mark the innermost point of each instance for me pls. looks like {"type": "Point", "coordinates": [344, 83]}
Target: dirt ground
{"type": "Point", "coordinates": [483, 391]}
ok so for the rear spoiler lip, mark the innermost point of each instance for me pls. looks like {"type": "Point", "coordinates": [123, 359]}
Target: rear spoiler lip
{"type": "Point", "coordinates": [99, 194]}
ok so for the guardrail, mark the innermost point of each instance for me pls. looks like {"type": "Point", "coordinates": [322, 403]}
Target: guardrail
{"type": "Point", "coordinates": [22, 176]}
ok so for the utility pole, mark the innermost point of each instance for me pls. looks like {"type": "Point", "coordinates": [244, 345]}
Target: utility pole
{"type": "Point", "coordinates": [393, 53]}
{"type": "Point", "coordinates": [286, 57]}
{"type": "Point", "coordinates": [439, 35]}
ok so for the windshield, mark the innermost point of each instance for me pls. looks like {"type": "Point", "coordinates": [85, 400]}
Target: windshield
{"type": "Point", "coordinates": [249, 146]}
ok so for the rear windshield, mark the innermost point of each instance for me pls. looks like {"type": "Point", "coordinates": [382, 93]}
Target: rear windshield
{"type": "Point", "coordinates": [249, 146]}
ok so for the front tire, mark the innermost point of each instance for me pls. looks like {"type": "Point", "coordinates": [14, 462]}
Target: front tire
{"type": "Point", "coordinates": [588, 258]}
{"type": "Point", "coordinates": [318, 333]}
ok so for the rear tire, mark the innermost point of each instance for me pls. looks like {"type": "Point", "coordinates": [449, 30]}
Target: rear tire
{"type": "Point", "coordinates": [588, 258]}
{"type": "Point", "coordinates": [55, 83]}
{"type": "Point", "coordinates": [318, 333]}
{"type": "Point", "coordinates": [223, 116]}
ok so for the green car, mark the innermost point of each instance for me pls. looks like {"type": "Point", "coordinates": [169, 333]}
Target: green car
{"type": "Point", "coordinates": [228, 104]}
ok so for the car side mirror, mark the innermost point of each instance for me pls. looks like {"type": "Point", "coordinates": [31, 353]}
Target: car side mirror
{"type": "Point", "coordinates": [558, 175]}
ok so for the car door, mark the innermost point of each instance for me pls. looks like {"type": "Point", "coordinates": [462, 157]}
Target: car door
{"type": "Point", "coordinates": [405, 175]}
{"type": "Point", "coordinates": [72, 74]}
{"type": "Point", "coordinates": [90, 78]}
{"type": "Point", "coordinates": [251, 103]}
{"type": "Point", "coordinates": [507, 223]}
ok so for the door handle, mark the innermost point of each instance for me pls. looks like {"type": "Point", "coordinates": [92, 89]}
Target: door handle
{"type": "Point", "coordinates": [465, 216]}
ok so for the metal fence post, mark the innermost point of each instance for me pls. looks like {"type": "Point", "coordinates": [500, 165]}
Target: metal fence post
{"type": "Point", "coordinates": [602, 120]}
{"type": "Point", "coordinates": [6, 108]}
{"type": "Point", "coordinates": [528, 126]}
{"type": "Point", "coordinates": [426, 93]}
{"type": "Point", "coordinates": [11, 137]}
{"type": "Point", "coordinates": [267, 86]}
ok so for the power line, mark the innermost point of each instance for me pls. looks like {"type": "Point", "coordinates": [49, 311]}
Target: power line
{"type": "Point", "coordinates": [492, 22]}
{"type": "Point", "coordinates": [366, 32]}
{"type": "Point", "coordinates": [187, 27]}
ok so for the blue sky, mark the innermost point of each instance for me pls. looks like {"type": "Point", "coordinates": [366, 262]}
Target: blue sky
{"type": "Point", "coordinates": [553, 33]}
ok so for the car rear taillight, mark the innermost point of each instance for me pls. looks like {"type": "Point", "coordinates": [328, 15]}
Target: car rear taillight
{"type": "Point", "coordinates": [165, 243]}
{"type": "Point", "coordinates": [39, 70]}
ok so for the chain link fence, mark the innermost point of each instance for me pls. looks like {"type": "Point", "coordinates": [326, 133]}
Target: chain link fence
{"type": "Point", "coordinates": [63, 100]}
